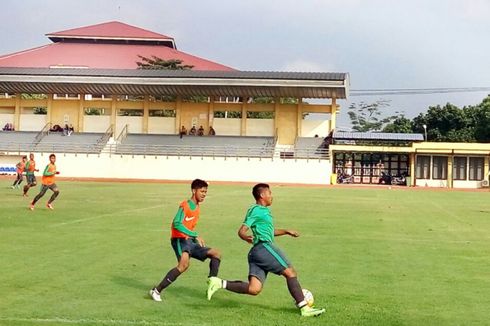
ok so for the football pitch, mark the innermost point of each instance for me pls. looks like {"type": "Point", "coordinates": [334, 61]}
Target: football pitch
{"type": "Point", "coordinates": [373, 256]}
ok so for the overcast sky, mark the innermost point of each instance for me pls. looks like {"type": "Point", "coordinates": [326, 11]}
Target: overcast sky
{"type": "Point", "coordinates": [380, 43]}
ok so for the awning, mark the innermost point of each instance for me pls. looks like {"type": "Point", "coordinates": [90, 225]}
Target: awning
{"type": "Point", "coordinates": [174, 82]}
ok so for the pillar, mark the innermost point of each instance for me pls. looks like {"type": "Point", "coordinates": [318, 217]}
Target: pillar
{"type": "Point", "coordinates": [49, 108]}
{"type": "Point", "coordinates": [178, 114]}
{"type": "Point", "coordinates": [113, 116]}
{"type": "Point", "coordinates": [299, 117]}
{"type": "Point", "coordinates": [333, 109]}
{"type": "Point", "coordinates": [17, 112]}
{"type": "Point", "coordinates": [81, 113]}
{"type": "Point", "coordinates": [450, 159]}
{"type": "Point", "coordinates": [243, 125]}
{"type": "Point", "coordinates": [146, 113]}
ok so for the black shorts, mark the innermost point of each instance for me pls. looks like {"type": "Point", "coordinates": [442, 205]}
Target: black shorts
{"type": "Point", "coordinates": [31, 179]}
{"type": "Point", "coordinates": [265, 257]}
{"type": "Point", "coordinates": [189, 245]}
{"type": "Point", "coordinates": [53, 187]}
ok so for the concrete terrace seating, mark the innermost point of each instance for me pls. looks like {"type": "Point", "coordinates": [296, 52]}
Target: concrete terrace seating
{"type": "Point", "coordinates": [306, 147]}
{"type": "Point", "coordinates": [55, 142]}
{"type": "Point", "coordinates": [17, 141]}
{"type": "Point", "coordinates": [197, 145]}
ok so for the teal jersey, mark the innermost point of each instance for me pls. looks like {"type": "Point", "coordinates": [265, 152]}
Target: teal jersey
{"type": "Point", "coordinates": [259, 220]}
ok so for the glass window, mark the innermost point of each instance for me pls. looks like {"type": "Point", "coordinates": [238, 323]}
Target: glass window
{"type": "Point", "coordinates": [423, 167]}
{"type": "Point", "coordinates": [459, 168]}
{"type": "Point", "coordinates": [439, 167]}
{"type": "Point", "coordinates": [476, 168]}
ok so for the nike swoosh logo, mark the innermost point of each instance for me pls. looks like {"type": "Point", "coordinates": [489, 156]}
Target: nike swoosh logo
{"type": "Point", "coordinates": [187, 219]}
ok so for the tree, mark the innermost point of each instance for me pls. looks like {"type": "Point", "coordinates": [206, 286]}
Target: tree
{"type": "Point", "coordinates": [157, 63]}
{"type": "Point", "coordinates": [446, 123]}
{"type": "Point", "coordinates": [482, 120]}
{"type": "Point", "coordinates": [368, 116]}
{"type": "Point", "coordinates": [399, 125]}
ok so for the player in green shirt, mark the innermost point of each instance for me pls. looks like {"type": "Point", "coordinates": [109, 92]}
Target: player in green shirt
{"type": "Point", "coordinates": [264, 257]}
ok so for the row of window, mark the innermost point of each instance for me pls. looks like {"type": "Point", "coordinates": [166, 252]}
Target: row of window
{"type": "Point", "coordinates": [464, 168]}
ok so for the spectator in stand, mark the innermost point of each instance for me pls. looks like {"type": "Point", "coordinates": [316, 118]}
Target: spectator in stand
{"type": "Point", "coordinates": [200, 131]}
{"type": "Point", "coordinates": [211, 131]}
{"type": "Point", "coordinates": [56, 128]}
{"type": "Point", "coordinates": [193, 131]}
{"type": "Point", "coordinates": [183, 132]}
{"type": "Point", "coordinates": [8, 127]}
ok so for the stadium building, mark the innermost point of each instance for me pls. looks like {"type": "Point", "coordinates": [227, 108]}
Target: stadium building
{"type": "Point", "coordinates": [83, 97]}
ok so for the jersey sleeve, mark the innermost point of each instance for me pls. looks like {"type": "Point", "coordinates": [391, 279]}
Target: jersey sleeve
{"type": "Point", "coordinates": [179, 226]}
{"type": "Point", "coordinates": [47, 172]}
{"type": "Point", "coordinates": [249, 218]}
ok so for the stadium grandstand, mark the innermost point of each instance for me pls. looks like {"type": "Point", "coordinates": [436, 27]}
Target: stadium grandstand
{"type": "Point", "coordinates": [123, 118]}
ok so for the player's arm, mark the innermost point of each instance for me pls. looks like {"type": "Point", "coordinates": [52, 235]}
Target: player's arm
{"type": "Point", "coordinates": [279, 232]}
{"type": "Point", "coordinates": [47, 173]}
{"type": "Point", "coordinates": [243, 234]}
{"type": "Point", "coordinates": [179, 226]}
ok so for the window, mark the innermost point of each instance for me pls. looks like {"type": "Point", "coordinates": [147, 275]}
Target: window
{"type": "Point", "coordinates": [260, 115]}
{"type": "Point", "coordinates": [228, 114]}
{"type": "Point", "coordinates": [130, 112]}
{"type": "Point", "coordinates": [423, 167]}
{"type": "Point", "coordinates": [439, 167]}
{"type": "Point", "coordinates": [476, 168]}
{"type": "Point", "coordinates": [459, 168]}
{"type": "Point", "coordinates": [163, 113]}
{"type": "Point", "coordinates": [95, 111]}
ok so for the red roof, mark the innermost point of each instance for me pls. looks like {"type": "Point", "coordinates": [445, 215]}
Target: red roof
{"type": "Point", "coordinates": [109, 56]}
{"type": "Point", "coordinates": [117, 47]}
{"type": "Point", "coordinates": [110, 30]}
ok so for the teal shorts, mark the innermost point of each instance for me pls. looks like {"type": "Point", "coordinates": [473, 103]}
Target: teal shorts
{"type": "Point", "coordinates": [265, 257]}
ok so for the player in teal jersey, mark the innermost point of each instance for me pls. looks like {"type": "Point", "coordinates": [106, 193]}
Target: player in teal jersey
{"type": "Point", "coordinates": [264, 257]}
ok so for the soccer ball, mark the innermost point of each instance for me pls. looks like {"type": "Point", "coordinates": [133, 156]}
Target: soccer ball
{"type": "Point", "coordinates": [308, 297]}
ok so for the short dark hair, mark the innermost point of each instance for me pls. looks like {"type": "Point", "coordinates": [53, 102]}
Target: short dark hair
{"type": "Point", "coordinates": [198, 184]}
{"type": "Point", "coordinates": [257, 189]}
{"type": "Point", "coordinates": [52, 155]}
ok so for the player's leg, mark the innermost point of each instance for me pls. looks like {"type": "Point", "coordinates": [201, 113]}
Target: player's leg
{"type": "Point", "coordinates": [296, 292]}
{"type": "Point", "coordinates": [183, 254]}
{"type": "Point", "coordinates": [38, 196]}
{"type": "Point", "coordinates": [55, 194]}
{"type": "Point", "coordinates": [214, 256]}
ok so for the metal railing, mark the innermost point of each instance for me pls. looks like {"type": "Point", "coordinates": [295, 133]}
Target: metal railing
{"type": "Point", "coordinates": [123, 134]}
{"type": "Point", "coordinates": [41, 134]}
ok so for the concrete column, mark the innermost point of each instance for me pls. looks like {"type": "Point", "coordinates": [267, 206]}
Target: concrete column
{"type": "Point", "coordinates": [412, 169]}
{"type": "Point", "coordinates": [333, 121]}
{"type": "Point", "coordinates": [277, 102]}
{"type": "Point", "coordinates": [299, 117]}
{"type": "Point", "coordinates": [81, 113]}
{"type": "Point", "coordinates": [146, 113]}
{"type": "Point", "coordinates": [450, 159]}
{"type": "Point", "coordinates": [113, 116]}
{"type": "Point", "coordinates": [49, 108]}
{"type": "Point", "coordinates": [17, 125]}
{"type": "Point", "coordinates": [243, 126]}
{"type": "Point", "coordinates": [210, 113]}
{"type": "Point", "coordinates": [178, 115]}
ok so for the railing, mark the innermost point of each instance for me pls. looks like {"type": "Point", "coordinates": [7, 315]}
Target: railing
{"type": "Point", "coordinates": [42, 133]}
{"type": "Point", "coordinates": [123, 134]}
{"type": "Point", "coordinates": [102, 141]}
{"type": "Point", "coordinates": [164, 150]}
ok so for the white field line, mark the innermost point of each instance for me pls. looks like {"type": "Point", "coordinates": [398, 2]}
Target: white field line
{"type": "Point", "coordinates": [88, 321]}
{"type": "Point", "coordinates": [435, 241]}
{"type": "Point", "coordinates": [81, 220]}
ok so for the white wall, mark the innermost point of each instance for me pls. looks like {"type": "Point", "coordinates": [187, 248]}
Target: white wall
{"type": "Point", "coordinates": [32, 122]}
{"type": "Point", "coordinates": [7, 118]}
{"type": "Point", "coordinates": [310, 128]}
{"type": "Point", "coordinates": [260, 127]}
{"type": "Point", "coordinates": [161, 125]}
{"type": "Point", "coordinates": [185, 168]}
{"type": "Point", "coordinates": [135, 124]}
{"type": "Point", "coordinates": [466, 184]}
{"type": "Point", "coordinates": [96, 123]}
{"type": "Point", "coordinates": [227, 127]}
{"type": "Point", "coordinates": [431, 183]}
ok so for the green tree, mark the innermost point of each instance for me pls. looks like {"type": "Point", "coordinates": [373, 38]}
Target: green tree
{"type": "Point", "coordinates": [399, 125]}
{"type": "Point", "coordinates": [482, 120]}
{"type": "Point", "coordinates": [368, 116]}
{"type": "Point", "coordinates": [156, 63]}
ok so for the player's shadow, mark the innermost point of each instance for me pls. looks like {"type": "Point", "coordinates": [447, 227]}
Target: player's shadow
{"type": "Point", "coordinates": [189, 292]}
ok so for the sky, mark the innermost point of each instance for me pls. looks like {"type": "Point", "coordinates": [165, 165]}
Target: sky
{"type": "Point", "coordinates": [382, 44]}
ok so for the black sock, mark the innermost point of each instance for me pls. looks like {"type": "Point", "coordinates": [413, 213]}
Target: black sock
{"type": "Point", "coordinates": [237, 286]}
{"type": "Point", "coordinates": [168, 279]}
{"type": "Point", "coordinates": [214, 267]}
{"type": "Point", "coordinates": [295, 290]}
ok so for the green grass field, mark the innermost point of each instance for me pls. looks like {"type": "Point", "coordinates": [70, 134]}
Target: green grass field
{"type": "Point", "coordinates": [370, 256]}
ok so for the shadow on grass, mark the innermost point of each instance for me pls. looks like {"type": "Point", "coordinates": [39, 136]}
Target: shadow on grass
{"type": "Point", "coordinates": [188, 292]}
